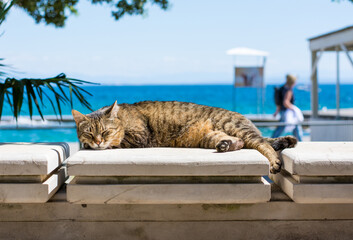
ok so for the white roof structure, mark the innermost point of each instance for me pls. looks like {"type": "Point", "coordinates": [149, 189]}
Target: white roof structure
{"type": "Point", "coordinates": [339, 41]}
{"type": "Point", "coordinates": [243, 51]}
{"type": "Point", "coordinates": [330, 41]}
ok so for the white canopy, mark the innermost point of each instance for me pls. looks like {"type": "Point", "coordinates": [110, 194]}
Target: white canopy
{"type": "Point", "coordinates": [243, 51]}
{"type": "Point", "coordinates": [339, 40]}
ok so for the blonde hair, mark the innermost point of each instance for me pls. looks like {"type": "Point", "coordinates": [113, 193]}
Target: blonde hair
{"type": "Point", "coordinates": [291, 79]}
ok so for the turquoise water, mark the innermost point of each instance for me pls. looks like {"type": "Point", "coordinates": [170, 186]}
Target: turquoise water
{"type": "Point", "coordinates": [243, 100]}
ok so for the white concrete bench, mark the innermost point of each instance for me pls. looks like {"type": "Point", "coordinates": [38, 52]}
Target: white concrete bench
{"type": "Point", "coordinates": [135, 178]}
{"type": "Point", "coordinates": [167, 176]}
{"type": "Point", "coordinates": [31, 172]}
{"type": "Point", "coordinates": [318, 172]}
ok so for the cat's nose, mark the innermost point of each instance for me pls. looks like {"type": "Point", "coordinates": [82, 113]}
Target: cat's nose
{"type": "Point", "coordinates": [98, 140]}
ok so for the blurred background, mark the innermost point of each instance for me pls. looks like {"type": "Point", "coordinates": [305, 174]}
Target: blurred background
{"type": "Point", "coordinates": [172, 50]}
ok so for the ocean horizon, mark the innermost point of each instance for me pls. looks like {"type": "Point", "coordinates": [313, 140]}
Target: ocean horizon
{"type": "Point", "coordinates": [243, 100]}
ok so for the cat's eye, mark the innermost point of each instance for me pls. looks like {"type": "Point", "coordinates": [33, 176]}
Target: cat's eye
{"type": "Point", "coordinates": [87, 135]}
{"type": "Point", "coordinates": [106, 133]}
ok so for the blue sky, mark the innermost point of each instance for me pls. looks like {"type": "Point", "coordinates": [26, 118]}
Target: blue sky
{"type": "Point", "coordinates": [184, 45]}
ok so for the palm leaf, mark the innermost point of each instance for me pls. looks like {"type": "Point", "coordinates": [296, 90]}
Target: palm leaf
{"type": "Point", "coordinates": [4, 9]}
{"type": "Point", "coordinates": [2, 96]}
{"type": "Point", "coordinates": [53, 106]}
{"type": "Point", "coordinates": [70, 88]}
{"type": "Point", "coordinates": [35, 88]}
{"type": "Point", "coordinates": [29, 89]}
{"type": "Point", "coordinates": [2, 66]}
{"type": "Point", "coordinates": [33, 96]}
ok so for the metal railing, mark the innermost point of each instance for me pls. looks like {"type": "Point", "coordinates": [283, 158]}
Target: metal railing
{"type": "Point", "coordinates": [68, 123]}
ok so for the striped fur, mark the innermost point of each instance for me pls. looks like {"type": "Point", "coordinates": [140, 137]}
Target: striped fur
{"type": "Point", "coordinates": [175, 124]}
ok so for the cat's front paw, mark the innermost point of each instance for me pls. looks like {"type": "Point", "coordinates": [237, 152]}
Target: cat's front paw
{"type": "Point", "coordinates": [276, 166]}
{"type": "Point", "coordinates": [292, 141]}
{"type": "Point", "coordinates": [223, 145]}
{"type": "Point", "coordinates": [284, 142]}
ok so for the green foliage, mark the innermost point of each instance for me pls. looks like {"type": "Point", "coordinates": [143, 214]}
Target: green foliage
{"type": "Point", "coordinates": [56, 12]}
{"type": "Point", "coordinates": [36, 91]}
{"type": "Point", "coordinates": [15, 91]}
{"type": "Point", "coordinates": [49, 11]}
{"type": "Point", "coordinates": [136, 7]}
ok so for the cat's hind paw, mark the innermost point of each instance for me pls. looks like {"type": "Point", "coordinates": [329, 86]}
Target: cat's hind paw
{"type": "Point", "coordinates": [229, 145]}
{"type": "Point", "coordinates": [223, 145]}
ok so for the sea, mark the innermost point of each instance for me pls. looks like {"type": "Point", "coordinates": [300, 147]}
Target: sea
{"type": "Point", "coordinates": [247, 101]}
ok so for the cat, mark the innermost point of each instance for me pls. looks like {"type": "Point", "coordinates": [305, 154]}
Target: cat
{"type": "Point", "coordinates": [175, 124]}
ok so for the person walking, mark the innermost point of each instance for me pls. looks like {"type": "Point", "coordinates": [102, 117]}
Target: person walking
{"type": "Point", "coordinates": [289, 113]}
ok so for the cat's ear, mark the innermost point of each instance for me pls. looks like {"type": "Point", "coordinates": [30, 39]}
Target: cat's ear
{"type": "Point", "coordinates": [112, 111]}
{"type": "Point", "coordinates": [78, 117]}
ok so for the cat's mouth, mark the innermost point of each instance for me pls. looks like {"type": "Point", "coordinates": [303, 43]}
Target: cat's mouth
{"type": "Point", "coordinates": [100, 147]}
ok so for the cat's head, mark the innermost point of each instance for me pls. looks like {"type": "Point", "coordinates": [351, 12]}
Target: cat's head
{"type": "Point", "coordinates": [101, 129]}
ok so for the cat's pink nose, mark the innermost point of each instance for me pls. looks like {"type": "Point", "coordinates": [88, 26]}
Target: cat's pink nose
{"type": "Point", "coordinates": [98, 142]}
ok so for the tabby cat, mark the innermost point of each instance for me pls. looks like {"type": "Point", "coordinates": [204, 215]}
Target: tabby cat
{"type": "Point", "coordinates": [175, 124]}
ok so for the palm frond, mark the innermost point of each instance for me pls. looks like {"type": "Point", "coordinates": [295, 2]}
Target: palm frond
{"type": "Point", "coordinates": [4, 9]}
{"type": "Point", "coordinates": [38, 90]}
{"type": "Point", "coordinates": [34, 89]}
{"type": "Point", "coordinates": [2, 66]}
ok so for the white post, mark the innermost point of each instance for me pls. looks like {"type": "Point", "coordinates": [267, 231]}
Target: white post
{"type": "Point", "coordinates": [234, 97]}
{"type": "Point", "coordinates": [338, 82]}
{"type": "Point", "coordinates": [315, 61]}
{"type": "Point", "coordinates": [347, 53]}
{"type": "Point", "coordinates": [263, 85]}
{"type": "Point", "coordinates": [314, 86]}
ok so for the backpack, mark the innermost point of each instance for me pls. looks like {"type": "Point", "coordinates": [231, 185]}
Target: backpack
{"type": "Point", "coordinates": [278, 96]}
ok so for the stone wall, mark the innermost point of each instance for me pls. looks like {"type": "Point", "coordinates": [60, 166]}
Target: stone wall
{"type": "Point", "coordinates": [176, 194]}
{"type": "Point", "coordinates": [280, 218]}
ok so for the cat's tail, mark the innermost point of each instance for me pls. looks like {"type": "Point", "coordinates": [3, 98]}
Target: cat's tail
{"type": "Point", "coordinates": [281, 143]}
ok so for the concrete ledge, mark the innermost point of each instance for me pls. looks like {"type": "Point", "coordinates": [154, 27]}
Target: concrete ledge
{"type": "Point", "coordinates": [167, 162]}
{"type": "Point", "coordinates": [59, 219]}
{"type": "Point", "coordinates": [31, 172]}
{"type": "Point", "coordinates": [58, 209]}
{"type": "Point", "coordinates": [318, 172]}
{"type": "Point", "coordinates": [31, 158]}
{"type": "Point", "coordinates": [149, 202]}
{"type": "Point", "coordinates": [32, 192]}
{"type": "Point", "coordinates": [319, 159]}
{"type": "Point", "coordinates": [200, 230]}
{"type": "Point", "coordinates": [23, 178]}
{"type": "Point", "coordinates": [314, 192]}
{"type": "Point", "coordinates": [219, 193]}
{"type": "Point", "coordinates": [164, 179]}
{"type": "Point", "coordinates": [167, 176]}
